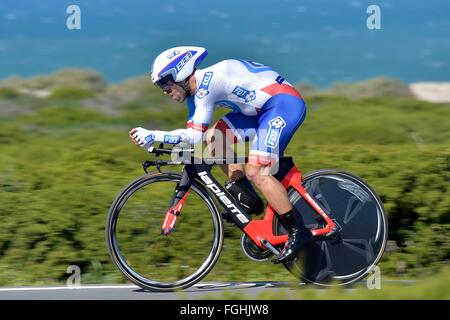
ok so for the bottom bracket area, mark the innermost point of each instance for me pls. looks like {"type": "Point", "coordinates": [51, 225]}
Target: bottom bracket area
{"type": "Point", "coordinates": [252, 251]}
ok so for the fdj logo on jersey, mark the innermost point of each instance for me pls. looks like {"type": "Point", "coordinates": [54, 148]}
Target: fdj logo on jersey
{"type": "Point", "coordinates": [203, 89]}
{"type": "Point", "coordinates": [207, 78]}
{"type": "Point", "coordinates": [244, 94]}
{"type": "Point", "coordinates": [185, 59]}
{"type": "Point", "coordinates": [172, 139]}
{"type": "Point", "coordinates": [276, 125]}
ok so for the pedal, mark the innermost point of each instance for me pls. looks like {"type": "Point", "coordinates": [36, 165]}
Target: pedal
{"type": "Point", "coordinates": [270, 247]}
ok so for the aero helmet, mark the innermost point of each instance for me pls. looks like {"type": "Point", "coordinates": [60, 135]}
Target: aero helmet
{"type": "Point", "coordinates": [176, 64]}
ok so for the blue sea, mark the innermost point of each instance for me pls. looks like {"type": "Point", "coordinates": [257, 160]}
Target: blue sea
{"type": "Point", "coordinates": [319, 41]}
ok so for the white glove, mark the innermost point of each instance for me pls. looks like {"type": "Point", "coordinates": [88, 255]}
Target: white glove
{"type": "Point", "coordinates": [144, 137]}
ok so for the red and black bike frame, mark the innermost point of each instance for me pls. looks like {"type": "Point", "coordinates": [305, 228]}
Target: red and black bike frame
{"type": "Point", "coordinates": [260, 231]}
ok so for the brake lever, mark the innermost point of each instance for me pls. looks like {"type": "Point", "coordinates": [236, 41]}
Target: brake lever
{"type": "Point", "coordinates": [158, 165]}
{"type": "Point", "coordinates": [146, 164]}
{"type": "Point", "coordinates": [149, 163]}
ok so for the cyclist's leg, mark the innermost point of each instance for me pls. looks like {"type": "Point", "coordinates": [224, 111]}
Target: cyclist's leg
{"type": "Point", "coordinates": [278, 121]}
{"type": "Point", "coordinates": [280, 118]}
{"type": "Point", "coordinates": [224, 134]}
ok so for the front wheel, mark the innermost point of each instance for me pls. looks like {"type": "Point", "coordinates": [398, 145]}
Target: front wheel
{"type": "Point", "coordinates": [154, 261]}
{"type": "Point", "coordinates": [358, 211]}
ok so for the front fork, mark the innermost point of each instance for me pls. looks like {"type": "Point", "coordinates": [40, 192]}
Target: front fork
{"type": "Point", "coordinates": [177, 202]}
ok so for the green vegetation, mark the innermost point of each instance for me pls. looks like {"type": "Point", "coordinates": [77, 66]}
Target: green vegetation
{"type": "Point", "coordinates": [64, 158]}
{"type": "Point", "coordinates": [71, 93]}
{"type": "Point", "coordinates": [377, 87]}
{"type": "Point", "coordinates": [8, 93]}
{"type": "Point", "coordinates": [73, 78]}
{"type": "Point", "coordinates": [381, 87]}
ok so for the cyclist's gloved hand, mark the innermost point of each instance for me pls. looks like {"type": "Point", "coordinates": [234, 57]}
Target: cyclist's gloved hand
{"type": "Point", "coordinates": [144, 137]}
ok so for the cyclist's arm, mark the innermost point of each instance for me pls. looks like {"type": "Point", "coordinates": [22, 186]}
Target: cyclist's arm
{"type": "Point", "coordinates": [188, 135]}
{"type": "Point", "coordinates": [192, 134]}
{"type": "Point", "coordinates": [201, 108]}
{"type": "Point", "coordinates": [196, 126]}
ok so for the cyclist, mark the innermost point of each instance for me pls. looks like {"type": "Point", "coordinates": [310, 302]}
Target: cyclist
{"type": "Point", "coordinates": [266, 108]}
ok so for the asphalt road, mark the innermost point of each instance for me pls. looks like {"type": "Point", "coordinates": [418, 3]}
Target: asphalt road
{"type": "Point", "coordinates": [132, 292]}
{"type": "Point", "coordinates": [202, 290]}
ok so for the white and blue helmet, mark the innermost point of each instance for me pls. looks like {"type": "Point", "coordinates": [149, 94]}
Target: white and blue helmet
{"type": "Point", "coordinates": [176, 64]}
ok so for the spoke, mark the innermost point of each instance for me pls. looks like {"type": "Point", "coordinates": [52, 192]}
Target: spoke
{"type": "Point", "coordinates": [354, 189]}
{"type": "Point", "coordinates": [325, 268]}
{"type": "Point", "coordinates": [313, 185]}
{"type": "Point", "coordinates": [351, 211]}
{"type": "Point", "coordinates": [355, 246]}
{"type": "Point", "coordinates": [315, 191]}
{"type": "Point", "coordinates": [323, 201]}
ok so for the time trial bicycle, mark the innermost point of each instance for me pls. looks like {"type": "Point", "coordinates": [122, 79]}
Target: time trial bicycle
{"type": "Point", "coordinates": [165, 230]}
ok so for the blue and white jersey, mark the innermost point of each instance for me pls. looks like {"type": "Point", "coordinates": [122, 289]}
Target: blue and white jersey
{"type": "Point", "coordinates": [240, 85]}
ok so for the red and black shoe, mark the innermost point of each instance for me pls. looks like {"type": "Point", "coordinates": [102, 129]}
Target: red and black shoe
{"type": "Point", "coordinates": [298, 236]}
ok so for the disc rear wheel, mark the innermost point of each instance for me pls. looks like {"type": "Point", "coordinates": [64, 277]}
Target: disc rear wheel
{"type": "Point", "coordinates": [360, 214]}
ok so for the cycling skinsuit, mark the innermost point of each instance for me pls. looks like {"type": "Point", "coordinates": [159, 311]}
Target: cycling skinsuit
{"type": "Point", "coordinates": [266, 108]}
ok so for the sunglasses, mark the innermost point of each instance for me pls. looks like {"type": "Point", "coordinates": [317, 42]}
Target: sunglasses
{"type": "Point", "coordinates": [166, 83]}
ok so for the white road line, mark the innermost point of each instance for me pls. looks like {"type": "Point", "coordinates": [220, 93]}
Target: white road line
{"type": "Point", "coordinates": [214, 284]}
{"type": "Point", "coordinates": [68, 288]}
{"type": "Point", "coordinates": [197, 285]}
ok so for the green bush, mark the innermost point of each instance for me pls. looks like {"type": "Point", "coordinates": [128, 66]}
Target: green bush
{"type": "Point", "coordinates": [71, 93]}
{"type": "Point", "coordinates": [8, 93]}
{"type": "Point", "coordinates": [377, 87]}
{"type": "Point", "coordinates": [61, 165]}
{"type": "Point", "coordinates": [55, 196]}
{"type": "Point", "coordinates": [63, 117]}
{"type": "Point", "coordinates": [375, 121]}
{"type": "Point", "coordinates": [74, 78]}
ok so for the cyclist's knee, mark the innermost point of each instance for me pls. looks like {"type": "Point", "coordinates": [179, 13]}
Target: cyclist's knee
{"type": "Point", "coordinates": [254, 174]}
{"type": "Point", "coordinates": [250, 172]}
